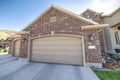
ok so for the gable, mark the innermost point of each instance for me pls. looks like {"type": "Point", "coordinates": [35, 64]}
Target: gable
{"type": "Point", "coordinates": [62, 11]}
{"type": "Point", "coordinates": [58, 22]}
{"type": "Point", "coordinates": [92, 15]}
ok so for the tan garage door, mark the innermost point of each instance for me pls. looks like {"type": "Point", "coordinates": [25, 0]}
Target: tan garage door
{"type": "Point", "coordinates": [57, 49]}
{"type": "Point", "coordinates": [17, 48]}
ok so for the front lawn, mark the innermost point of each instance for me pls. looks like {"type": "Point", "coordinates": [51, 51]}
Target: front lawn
{"type": "Point", "coordinates": [108, 75]}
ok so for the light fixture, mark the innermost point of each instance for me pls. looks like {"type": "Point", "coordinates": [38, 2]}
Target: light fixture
{"type": "Point", "coordinates": [24, 39]}
{"type": "Point", "coordinates": [90, 37]}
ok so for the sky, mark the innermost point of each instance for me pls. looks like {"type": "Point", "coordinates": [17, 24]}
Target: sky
{"type": "Point", "coordinates": [17, 14]}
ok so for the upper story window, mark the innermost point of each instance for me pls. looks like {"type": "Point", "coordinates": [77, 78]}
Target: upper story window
{"type": "Point", "coordinates": [89, 17]}
{"type": "Point", "coordinates": [117, 38]}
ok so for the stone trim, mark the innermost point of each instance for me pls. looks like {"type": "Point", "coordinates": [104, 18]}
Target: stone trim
{"type": "Point", "coordinates": [94, 65]}
{"type": "Point", "coordinates": [99, 26]}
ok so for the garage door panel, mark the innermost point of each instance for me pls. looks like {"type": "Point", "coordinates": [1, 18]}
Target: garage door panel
{"type": "Point", "coordinates": [56, 57]}
{"type": "Point", "coordinates": [57, 49]}
{"type": "Point", "coordinates": [58, 43]}
{"type": "Point", "coordinates": [17, 48]}
{"type": "Point", "coordinates": [57, 54]}
{"type": "Point", "coordinates": [52, 59]}
{"type": "Point", "coordinates": [55, 42]}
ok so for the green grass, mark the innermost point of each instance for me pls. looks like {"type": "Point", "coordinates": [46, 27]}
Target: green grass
{"type": "Point", "coordinates": [108, 75]}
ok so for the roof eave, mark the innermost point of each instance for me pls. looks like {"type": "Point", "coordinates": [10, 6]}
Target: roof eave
{"type": "Point", "coordinates": [92, 27]}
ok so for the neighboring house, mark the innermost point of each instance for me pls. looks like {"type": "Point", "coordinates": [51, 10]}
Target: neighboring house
{"type": "Point", "coordinates": [4, 38]}
{"type": "Point", "coordinates": [60, 36]}
{"type": "Point", "coordinates": [112, 32]}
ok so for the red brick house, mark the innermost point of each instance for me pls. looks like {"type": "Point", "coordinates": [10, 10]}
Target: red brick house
{"type": "Point", "coordinates": [60, 36]}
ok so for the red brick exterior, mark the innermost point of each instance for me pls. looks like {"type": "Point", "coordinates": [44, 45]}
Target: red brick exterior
{"type": "Point", "coordinates": [65, 24]}
{"type": "Point", "coordinates": [97, 18]}
{"type": "Point", "coordinates": [92, 55]}
{"type": "Point", "coordinates": [24, 46]}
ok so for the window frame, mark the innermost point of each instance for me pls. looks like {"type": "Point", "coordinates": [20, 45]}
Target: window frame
{"type": "Point", "coordinates": [117, 38]}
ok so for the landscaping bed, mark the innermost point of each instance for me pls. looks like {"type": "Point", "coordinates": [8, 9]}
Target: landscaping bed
{"type": "Point", "coordinates": [3, 50]}
{"type": "Point", "coordinates": [108, 74]}
{"type": "Point", "coordinates": [111, 61]}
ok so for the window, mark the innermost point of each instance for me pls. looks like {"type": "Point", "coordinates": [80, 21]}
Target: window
{"type": "Point", "coordinates": [89, 17]}
{"type": "Point", "coordinates": [117, 38]}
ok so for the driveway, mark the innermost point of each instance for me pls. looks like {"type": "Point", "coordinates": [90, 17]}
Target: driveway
{"type": "Point", "coordinates": [23, 70]}
{"type": "Point", "coordinates": [5, 58]}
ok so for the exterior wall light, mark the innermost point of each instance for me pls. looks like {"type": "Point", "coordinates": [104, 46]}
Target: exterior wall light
{"type": "Point", "coordinates": [24, 39]}
{"type": "Point", "coordinates": [90, 37]}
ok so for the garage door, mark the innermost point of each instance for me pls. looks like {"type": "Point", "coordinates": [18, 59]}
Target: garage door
{"type": "Point", "coordinates": [17, 48]}
{"type": "Point", "coordinates": [57, 49]}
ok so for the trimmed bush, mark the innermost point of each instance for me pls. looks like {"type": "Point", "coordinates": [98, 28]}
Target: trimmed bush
{"type": "Point", "coordinates": [5, 50]}
{"type": "Point", "coordinates": [0, 50]}
{"type": "Point", "coordinates": [115, 56]}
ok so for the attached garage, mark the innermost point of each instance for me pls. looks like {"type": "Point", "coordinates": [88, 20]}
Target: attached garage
{"type": "Point", "coordinates": [64, 49]}
{"type": "Point", "coordinates": [17, 47]}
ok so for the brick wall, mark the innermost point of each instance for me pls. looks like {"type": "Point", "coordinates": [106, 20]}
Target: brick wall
{"type": "Point", "coordinates": [97, 18]}
{"type": "Point", "coordinates": [24, 46]}
{"type": "Point", "coordinates": [65, 24]}
{"type": "Point", "coordinates": [92, 55]}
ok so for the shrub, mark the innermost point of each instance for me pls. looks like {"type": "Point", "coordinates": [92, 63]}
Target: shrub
{"type": "Point", "coordinates": [5, 50]}
{"type": "Point", "coordinates": [115, 56]}
{"type": "Point", "coordinates": [0, 50]}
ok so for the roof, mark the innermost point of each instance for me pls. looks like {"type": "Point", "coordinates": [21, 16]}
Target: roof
{"type": "Point", "coordinates": [91, 11]}
{"type": "Point", "coordinates": [4, 34]}
{"type": "Point", "coordinates": [23, 32]}
{"type": "Point", "coordinates": [61, 10]}
{"type": "Point", "coordinates": [113, 13]}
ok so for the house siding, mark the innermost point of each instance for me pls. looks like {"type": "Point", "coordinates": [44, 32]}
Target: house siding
{"type": "Point", "coordinates": [112, 20]}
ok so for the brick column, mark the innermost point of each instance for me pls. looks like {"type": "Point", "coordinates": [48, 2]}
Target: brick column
{"type": "Point", "coordinates": [92, 48]}
{"type": "Point", "coordinates": [24, 46]}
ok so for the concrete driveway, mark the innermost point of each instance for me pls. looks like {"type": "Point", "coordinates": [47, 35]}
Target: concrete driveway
{"type": "Point", "coordinates": [23, 70]}
{"type": "Point", "coordinates": [5, 58]}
